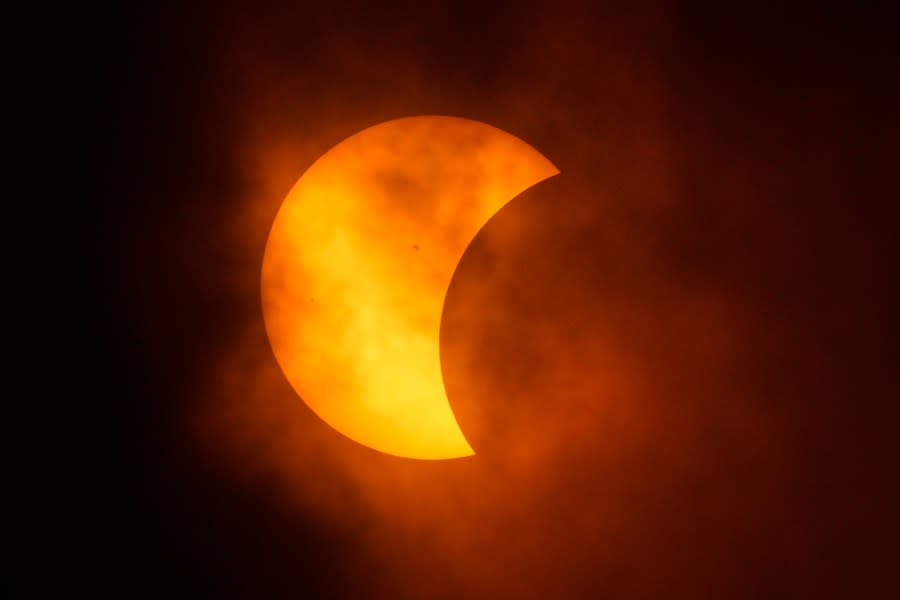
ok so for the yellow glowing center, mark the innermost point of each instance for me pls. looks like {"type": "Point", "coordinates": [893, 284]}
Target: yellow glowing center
{"type": "Point", "coordinates": [357, 265]}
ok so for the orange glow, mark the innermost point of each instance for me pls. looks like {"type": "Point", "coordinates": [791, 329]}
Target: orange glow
{"type": "Point", "coordinates": [357, 265]}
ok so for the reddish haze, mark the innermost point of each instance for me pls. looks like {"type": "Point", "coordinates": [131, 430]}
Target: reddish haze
{"type": "Point", "coordinates": [666, 358]}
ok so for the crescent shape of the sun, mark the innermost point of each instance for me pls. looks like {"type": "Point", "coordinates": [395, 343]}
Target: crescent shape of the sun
{"type": "Point", "coordinates": [357, 265]}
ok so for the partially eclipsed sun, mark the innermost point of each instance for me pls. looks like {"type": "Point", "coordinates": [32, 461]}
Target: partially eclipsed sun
{"type": "Point", "coordinates": [357, 265]}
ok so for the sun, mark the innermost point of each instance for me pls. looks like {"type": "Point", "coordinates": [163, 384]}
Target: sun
{"type": "Point", "coordinates": [358, 263]}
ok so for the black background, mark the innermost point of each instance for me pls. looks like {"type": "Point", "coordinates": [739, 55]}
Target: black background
{"type": "Point", "coordinates": [788, 115]}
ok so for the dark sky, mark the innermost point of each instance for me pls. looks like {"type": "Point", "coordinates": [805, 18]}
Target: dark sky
{"type": "Point", "coordinates": [680, 373]}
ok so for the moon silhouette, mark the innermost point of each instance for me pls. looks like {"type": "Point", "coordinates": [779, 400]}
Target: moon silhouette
{"type": "Point", "coordinates": [358, 263]}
